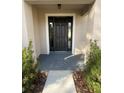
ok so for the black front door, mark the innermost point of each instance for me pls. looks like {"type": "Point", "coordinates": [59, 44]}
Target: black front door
{"type": "Point", "coordinates": [60, 33]}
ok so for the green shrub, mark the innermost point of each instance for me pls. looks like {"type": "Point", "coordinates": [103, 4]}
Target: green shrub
{"type": "Point", "coordinates": [28, 68]}
{"type": "Point", "coordinates": [93, 68]}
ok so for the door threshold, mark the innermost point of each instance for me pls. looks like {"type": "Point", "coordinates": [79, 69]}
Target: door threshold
{"type": "Point", "coordinates": [60, 52]}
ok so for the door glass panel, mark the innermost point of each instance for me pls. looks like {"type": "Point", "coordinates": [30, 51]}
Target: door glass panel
{"type": "Point", "coordinates": [51, 35]}
{"type": "Point", "coordinates": [51, 24]}
{"type": "Point", "coordinates": [69, 35]}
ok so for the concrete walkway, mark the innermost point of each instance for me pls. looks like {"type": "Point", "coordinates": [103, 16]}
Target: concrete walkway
{"type": "Point", "coordinates": [59, 81]}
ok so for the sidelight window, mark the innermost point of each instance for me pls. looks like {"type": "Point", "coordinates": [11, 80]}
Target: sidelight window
{"type": "Point", "coordinates": [69, 35]}
{"type": "Point", "coordinates": [51, 24]}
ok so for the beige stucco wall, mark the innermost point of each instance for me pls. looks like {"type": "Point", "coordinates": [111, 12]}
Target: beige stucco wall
{"type": "Point", "coordinates": [80, 33]}
{"type": "Point", "coordinates": [37, 33]}
{"type": "Point", "coordinates": [97, 21]}
{"type": "Point", "coordinates": [24, 29]}
{"type": "Point", "coordinates": [28, 26]}
{"type": "Point", "coordinates": [86, 27]}
{"type": "Point", "coordinates": [94, 22]}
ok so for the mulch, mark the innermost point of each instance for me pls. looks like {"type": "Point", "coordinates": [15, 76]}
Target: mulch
{"type": "Point", "coordinates": [80, 83]}
{"type": "Point", "coordinates": [39, 82]}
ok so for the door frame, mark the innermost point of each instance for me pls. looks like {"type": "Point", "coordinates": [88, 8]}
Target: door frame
{"type": "Point", "coordinates": [47, 29]}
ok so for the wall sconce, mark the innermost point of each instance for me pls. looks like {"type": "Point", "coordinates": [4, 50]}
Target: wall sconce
{"type": "Point", "coordinates": [59, 6]}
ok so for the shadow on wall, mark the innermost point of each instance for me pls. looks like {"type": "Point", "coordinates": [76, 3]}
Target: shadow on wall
{"type": "Point", "coordinates": [92, 27]}
{"type": "Point", "coordinates": [84, 31]}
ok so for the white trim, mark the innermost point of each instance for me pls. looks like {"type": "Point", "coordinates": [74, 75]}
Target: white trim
{"type": "Point", "coordinates": [47, 31]}
{"type": "Point", "coordinates": [47, 35]}
{"type": "Point", "coordinates": [73, 37]}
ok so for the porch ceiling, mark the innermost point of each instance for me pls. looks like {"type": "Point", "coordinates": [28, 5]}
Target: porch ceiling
{"type": "Point", "coordinates": [59, 1]}
{"type": "Point", "coordinates": [76, 7]}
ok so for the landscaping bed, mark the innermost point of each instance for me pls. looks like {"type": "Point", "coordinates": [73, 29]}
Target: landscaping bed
{"type": "Point", "coordinates": [33, 81]}
{"type": "Point", "coordinates": [89, 80]}
{"type": "Point", "coordinates": [39, 82]}
{"type": "Point", "coordinates": [80, 84]}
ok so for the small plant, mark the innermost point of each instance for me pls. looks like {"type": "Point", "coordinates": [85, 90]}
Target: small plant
{"type": "Point", "coordinates": [28, 68]}
{"type": "Point", "coordinates": [93, 68]}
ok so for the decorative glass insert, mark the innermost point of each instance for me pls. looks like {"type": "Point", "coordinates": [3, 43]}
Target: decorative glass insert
{"type": "Point", "coordinates": [69, 35]}
{"type": "Point", "coordinates": [51, 24]}
{"type": "Point", "coordinates": [51, 35]}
